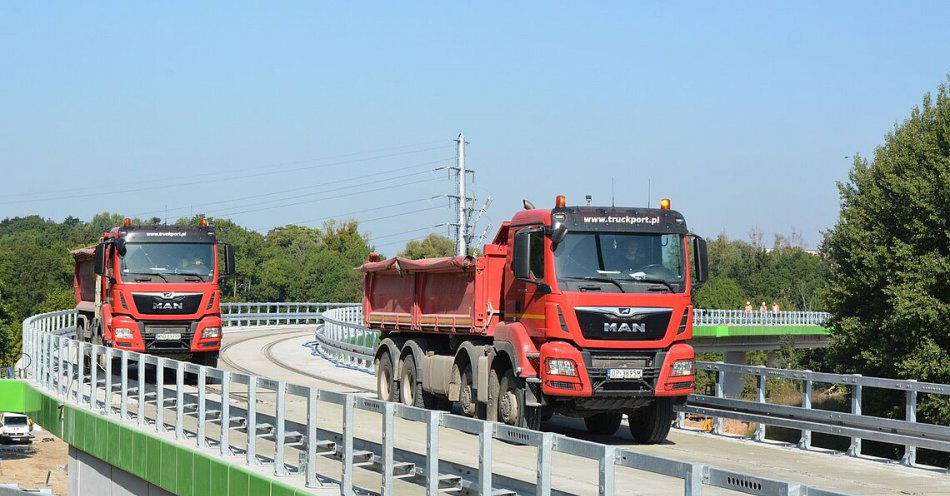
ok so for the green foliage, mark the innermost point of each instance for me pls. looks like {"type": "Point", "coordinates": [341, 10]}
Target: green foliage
{"type": "Point", "coordinates": [720, 293]}
{"type": "Point", "coordinates": [743, 271]}
{"type": "Point", "coordinates": [889, 283]}
{"type": "Point", "coordinates": [432, 246]}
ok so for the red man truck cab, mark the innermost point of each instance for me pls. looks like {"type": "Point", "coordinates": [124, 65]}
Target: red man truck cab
{"type": "Point", "coordinates": [153, 289]}
{"type": "Point", "coordinates": [581, 311]}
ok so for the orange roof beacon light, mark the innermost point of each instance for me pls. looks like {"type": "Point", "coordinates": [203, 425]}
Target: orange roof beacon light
{"type": "Point", "coordinates": [203, 222]}
{"type": "Point", "coordinates": [560, 201]}
{"type": "Point", "coordinates": [126, 222]}
{"type": "Point", "coordinates": [664, 204]}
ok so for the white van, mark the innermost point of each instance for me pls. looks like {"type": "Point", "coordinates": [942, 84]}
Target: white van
{"type": "Point", "coordinates": [15, 428]}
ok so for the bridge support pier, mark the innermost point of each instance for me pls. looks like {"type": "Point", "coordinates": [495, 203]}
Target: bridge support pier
{"type": "Point", "coordinates": [732, 382]}
{"type": "Point", "coordinates": [90, 476]}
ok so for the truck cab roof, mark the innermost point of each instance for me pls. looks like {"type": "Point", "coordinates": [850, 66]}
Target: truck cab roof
{"type": "Point", "coordinates": [164, 234]}
{"type": "Point", "coordinates": [592, 218]}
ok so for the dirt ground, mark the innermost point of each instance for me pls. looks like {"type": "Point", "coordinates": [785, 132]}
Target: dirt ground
{"type": "Point", "coordinates": [29, 466]}
{"type": "Point", "coordinates": [729, 426]}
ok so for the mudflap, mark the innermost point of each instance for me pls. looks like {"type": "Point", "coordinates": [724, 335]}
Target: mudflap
{"type": "Point", "coordinates": [532, 392]}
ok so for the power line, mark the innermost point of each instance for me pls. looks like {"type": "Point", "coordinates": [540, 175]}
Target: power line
{"type": "Point", "coordinates": [384, 180]}
{"type": "Point", "coordinates": [336, 181]}
{"type": "Point", "coordinates": [337, 216]}
{"type": "Point", "coordinates": [330, 197]}
{"type": "Point", "coordinates": [195, 183]}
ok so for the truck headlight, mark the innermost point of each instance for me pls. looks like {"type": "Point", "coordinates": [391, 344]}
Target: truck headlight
{"type": "Point", "coordinates": [561, 366]}
{"type": "Point", "coordinates": [682, 367]}
{"type": "Point", "coordinates": [211, 332]}
{"type": "Point", "coordinates": [123, 333]}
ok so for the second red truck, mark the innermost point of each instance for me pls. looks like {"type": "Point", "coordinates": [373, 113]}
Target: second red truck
{"type": "Point", "coordinates": [577, 310]}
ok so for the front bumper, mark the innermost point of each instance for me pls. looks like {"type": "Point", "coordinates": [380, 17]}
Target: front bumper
{"type": "Point", "coordinates": [592, 372]}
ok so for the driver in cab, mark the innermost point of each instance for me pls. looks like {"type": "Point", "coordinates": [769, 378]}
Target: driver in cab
{"type": "Point", "coordinates": [192, 262]}
{"type": "Point", "coordinates": [632, 257]}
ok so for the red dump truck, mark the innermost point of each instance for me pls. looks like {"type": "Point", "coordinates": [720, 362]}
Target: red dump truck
{"type": "Point", "coordinates": [577, 310]}
{"type": "Point", "coordinates": [153, 289]}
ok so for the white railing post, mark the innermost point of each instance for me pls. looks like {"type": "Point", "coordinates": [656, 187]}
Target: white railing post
{"type": "Point", "coordinates": [855, 448]}
{"type": "Point", "coordinates": [910, 415]}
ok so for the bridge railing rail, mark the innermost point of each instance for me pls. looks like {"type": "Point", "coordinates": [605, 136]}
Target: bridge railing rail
{"type": "Point", "coordinates": [186, 412]}
{"type": "Point", "coordinates": [269, 313]}
{"type": "Point", "coordinates": [854, 423]}
{"type": "Point", "coordinates": [704, 317]}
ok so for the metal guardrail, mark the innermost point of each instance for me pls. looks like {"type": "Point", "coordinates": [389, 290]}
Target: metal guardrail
{"type": "Point", "coordinates": [344, 340]}
{"type": "Point", "coordinates": [247, 314]}
{"type": "Point", "coordinates": [186, 412]}
{"type": "Point", "coordinates": [703, 317]}
{"type": "Point", "coordinates": [907, 432]}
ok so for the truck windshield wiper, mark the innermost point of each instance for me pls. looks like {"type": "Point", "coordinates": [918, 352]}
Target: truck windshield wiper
{"type": "Point", "coordinates": [195, 274]}
{"type": "Point", "coordinates": [149, 274]}
{"type": "Point", "coordinates": [597, 279]}
{"type": "Point", "coordinates": [653, 280]}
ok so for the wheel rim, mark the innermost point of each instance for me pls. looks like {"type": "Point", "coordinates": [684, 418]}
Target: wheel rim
{"type": "Point", "coordinates": [383, 382]}
{"type": "Point", "coordinates": [408, 385]}
{"type": "Point", "coordinates": [508, 406]}
{"type": "Point", "coordinates": [466, 398]}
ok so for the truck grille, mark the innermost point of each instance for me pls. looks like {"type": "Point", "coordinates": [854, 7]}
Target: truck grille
{"type": "Point", "coordinates": [598, 361]}
{"type": "Point", "coordinates": [167, 303]}
{"type": "Point", "coordinates": [152, 330]}
{"type": "Point", "coordinates": [623, 323]}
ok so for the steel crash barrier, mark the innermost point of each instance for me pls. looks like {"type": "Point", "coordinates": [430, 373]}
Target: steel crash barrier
{"type": "Point", "coordinates": [702, 317]}
{"type": "Point", "coordinates": [220, 413]}
{"type": "Point", "coordinates": [343, 339]}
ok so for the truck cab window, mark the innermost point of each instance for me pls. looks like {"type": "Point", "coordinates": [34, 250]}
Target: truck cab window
{"type": "Point", "coordinates": [536, 261]}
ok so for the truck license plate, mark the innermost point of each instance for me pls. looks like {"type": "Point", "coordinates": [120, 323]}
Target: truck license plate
{"type": "Point", "coordinates": [624, 373]}
{"type": "Point", "coordinates": [168, 336]}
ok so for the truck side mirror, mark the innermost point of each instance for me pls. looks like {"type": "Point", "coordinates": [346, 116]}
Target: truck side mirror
{"type": "Point", "coordinates": [228, 261]}
{"type": "Point", "coordinates": [701, 260]}
{"type": "Point", "coordinates": [521, 256]}
{"type": "Point", "coordinates": [99, 256]}
{"type": "Point", "coordinates": [558, 234]}
{"type": "Point", "coordinates": [120, 246]}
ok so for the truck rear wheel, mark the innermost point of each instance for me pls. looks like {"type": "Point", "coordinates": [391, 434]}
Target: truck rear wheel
{"type": "Point", "coordinates": [410, 386]}
{"type": "Point", "coordinates": [467, 398]}
{"type": "Point", "coordinates": [605, 424]}
{"type": "Point", "coordinates": [385, 387]}
{"type": "Point", "coordinates": [508, 404]}
{"type": "Point", "coordinates": [651, 424]}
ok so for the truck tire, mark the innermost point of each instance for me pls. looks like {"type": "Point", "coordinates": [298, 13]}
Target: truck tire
{"type": "Point", "coordinates": [467, 399]}
{"type": "Point", "coordinates": [410, 386]}
{"type": "Point", "coordinates": [604, 424]}
{"type": "Point", "coordinates": [385, 380]}
{"type": "Point", "coordinates": [651, 424]}
{"type": "Point", "coordinates": [509, 401]}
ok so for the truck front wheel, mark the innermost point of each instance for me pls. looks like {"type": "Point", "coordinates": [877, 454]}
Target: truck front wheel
{"type": "Point", "coordinates": [605, 424]}
{"type": "Point", "coordinates": [508, 403]}
{"type": "Point", "coordinates": [651, 424]}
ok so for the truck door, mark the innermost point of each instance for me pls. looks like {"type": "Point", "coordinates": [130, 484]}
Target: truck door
{"type": "Point", "coordinates": [525, 296]}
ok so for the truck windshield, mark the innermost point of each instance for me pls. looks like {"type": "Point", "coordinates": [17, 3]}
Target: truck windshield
{"type": "Point", "coordinates": [14, 421]}
{"type": "Point", "coordinates": [164, 259]}
{"type": "Point", "coordinates": [620, 262]}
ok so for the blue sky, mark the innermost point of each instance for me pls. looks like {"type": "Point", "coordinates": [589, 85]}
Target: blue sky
{"type": "Point", "coordinates": [742, 113]}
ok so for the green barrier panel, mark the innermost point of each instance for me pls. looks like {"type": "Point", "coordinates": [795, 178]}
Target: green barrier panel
{"type": "Point", "coordinates": [164, 463]}
{"type": "Point", "coordinates": [757, 330]}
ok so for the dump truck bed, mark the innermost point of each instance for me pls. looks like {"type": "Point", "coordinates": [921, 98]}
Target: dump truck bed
{"type": "Point", "coordinates": [460, 295]}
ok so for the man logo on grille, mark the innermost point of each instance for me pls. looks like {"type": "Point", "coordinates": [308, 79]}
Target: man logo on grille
{"type": "Point", "coordinates": [610, 327]}
{"type": "Point", "coordinates": [168, 305]}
